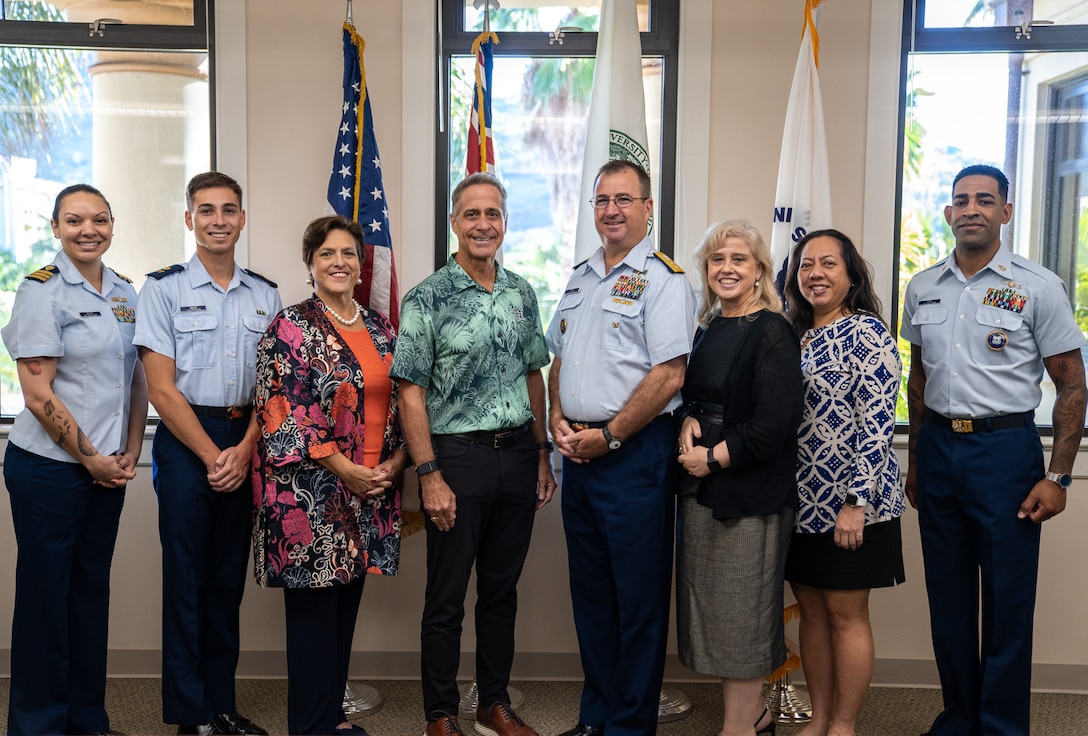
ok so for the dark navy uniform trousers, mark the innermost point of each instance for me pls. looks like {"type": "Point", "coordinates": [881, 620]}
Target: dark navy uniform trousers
{"type": "Point", "coordinates": [66, 528]}
{"type": "Point", "coordinates": [618, 515]}
{"type": "Point", "coordinates": [205, 553]}
{"type": "Point", "coordinates": [969, 489]}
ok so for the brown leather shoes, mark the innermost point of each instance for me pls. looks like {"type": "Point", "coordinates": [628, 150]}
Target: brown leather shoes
{"type": "Point", "coordinates": [444, 726]}
{"type": "Point", "coordinates": [501, 720]}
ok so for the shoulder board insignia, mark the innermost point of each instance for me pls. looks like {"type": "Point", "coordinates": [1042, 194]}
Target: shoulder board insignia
{"type": "Point", "coordinates": [121, 276]}
{"type": "Point", "coordinates": [670, 263]}
{"type": "Point", "coordinates": [176, 268]}
{"type": "Point", "coordinates": [265, 279]}
{"type": "Point", "coordinates": [44, 274]}
{"type": "Point", "coordinates": [579, 265]}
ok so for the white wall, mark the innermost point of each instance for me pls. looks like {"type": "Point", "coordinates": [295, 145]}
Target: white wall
{"type": "Point", "coordinates": [733, 102]}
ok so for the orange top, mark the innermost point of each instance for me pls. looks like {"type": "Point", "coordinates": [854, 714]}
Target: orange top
{"type": "Point", "coordinates": [377, 390]}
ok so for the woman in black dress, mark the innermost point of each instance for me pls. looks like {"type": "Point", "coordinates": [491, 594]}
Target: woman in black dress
{"type": "Point", "coordinates": [738, 446]}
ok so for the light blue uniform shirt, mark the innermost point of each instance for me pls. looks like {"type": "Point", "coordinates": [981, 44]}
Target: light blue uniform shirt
{"type": "Point", "coordinates": [210, 334]}
{"type": "Point", "coordinates": [611, 329]}
{"type": "Point", "coordinates": [90, 333]}
{"type": "Point", "coordinates": [983, 339]}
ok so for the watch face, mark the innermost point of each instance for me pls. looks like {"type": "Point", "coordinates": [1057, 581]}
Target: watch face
{"type": "Point", "coordinates": [614, 444]}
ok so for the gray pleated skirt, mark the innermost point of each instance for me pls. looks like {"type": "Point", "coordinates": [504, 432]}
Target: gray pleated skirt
{"type": "Point", "coordinates": [729, 591]}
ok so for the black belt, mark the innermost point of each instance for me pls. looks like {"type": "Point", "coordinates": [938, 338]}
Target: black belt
{"type": "Point", "coordinates": [497, 440]}
{"type": "Point", "coordinates": [982, 424]}
{"type": "Point", "coordinates": [222, 412]}
{"type": "Point", "coordinates": [711, 413]}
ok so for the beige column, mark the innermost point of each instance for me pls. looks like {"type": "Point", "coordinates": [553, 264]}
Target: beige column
{"type": "Point", "coordinates": [151, 133]}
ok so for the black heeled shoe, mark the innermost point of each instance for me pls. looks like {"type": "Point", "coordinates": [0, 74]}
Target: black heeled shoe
{"type": "Point", "coordinates": [770, 728]}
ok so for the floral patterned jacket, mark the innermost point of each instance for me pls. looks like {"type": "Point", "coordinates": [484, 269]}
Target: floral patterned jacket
{"type": "Point", "coordinates": [309, 531]}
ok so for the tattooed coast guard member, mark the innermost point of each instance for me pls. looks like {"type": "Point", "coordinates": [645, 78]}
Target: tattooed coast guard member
{"type": "Point", "coordinates": [983, 323]}
{"type": "Point", "coordinates": [198, 331]}
{"type": "Point", "coordinates": [70, 453]}
{"type": "Point", "coordinates": [621, 337]}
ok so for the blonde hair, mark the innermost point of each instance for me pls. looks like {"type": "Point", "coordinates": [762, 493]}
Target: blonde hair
{"type": "Point", "coordinates": [715, 238]}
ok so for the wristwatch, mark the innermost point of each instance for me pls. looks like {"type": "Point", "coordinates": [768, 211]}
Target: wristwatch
{"type": "Point", "coordinates": [1063, 480]}
{"type": "Point", "coordinates": [853, 499]}
{"type": "Point", "coordinates": [613, 443]}
{"type": "Point", "coordinates": [429, 467]}
{"type": "Point", "coordinates": [711, 461]}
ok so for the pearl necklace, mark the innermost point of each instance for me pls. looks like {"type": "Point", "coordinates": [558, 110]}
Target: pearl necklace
{"type": "Point", "coordinates": [341, 320]}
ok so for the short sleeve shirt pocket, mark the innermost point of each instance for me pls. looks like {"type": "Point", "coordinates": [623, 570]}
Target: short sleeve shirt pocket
{"type": "Point", "coordinates": [622, 323]}
{"type": "Point", "coordinates": [196, 340]}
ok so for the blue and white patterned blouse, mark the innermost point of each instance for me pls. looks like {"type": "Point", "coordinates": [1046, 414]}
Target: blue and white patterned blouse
{"type": "Point", "coordinates": [851, 373]}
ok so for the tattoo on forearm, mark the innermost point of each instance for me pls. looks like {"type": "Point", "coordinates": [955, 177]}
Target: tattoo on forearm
{"type": "Point", "coordinates": [1067, 372]}
{"type": "Point", "coordinates": [49, 408]}
{"type": "Point", "coordinates": [83, 444]}
{"type": "Point", "coordinates": [33, 367]}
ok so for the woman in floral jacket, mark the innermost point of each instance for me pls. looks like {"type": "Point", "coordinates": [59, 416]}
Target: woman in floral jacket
{"type": "Point", "coordinates": [327, 470]}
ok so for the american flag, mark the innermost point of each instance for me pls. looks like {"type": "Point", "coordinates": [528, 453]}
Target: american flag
{"type": "Point", "coordinates": [481, 148]}
{"type": "Point", "coordinates": [355, 186]}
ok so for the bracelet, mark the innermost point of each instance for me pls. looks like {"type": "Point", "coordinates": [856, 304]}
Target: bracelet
{"type": "Point", "coordinates": [712, 463]}
{"type": "Point", "coordinates": [429, 467]}
{"type": "Point", "coordinates": [545, 445]}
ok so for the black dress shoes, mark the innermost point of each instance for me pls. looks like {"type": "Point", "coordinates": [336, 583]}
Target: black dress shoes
{"type": "Point", "coordinates": [235, 723]}
{"type": "Point", "coordinates": [583, 730]}
{"type": "Point", "coordinates": [202, 729]}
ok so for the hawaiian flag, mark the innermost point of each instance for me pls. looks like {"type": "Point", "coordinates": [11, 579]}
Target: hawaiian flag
{"type": "Point", "coordinates": [355, 186]}
{"type": "Point", "coordinates": [481, 148]}
{"type": "Point", "coordinates": [802, 200]}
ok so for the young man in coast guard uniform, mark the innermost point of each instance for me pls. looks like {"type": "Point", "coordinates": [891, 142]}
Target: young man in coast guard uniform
{"type": "Point", "coordinates": [198, 331]}
{"type": "Point", "coordinates": [621, 337]}
{"type": "Point", "coordinates": [983, 323]}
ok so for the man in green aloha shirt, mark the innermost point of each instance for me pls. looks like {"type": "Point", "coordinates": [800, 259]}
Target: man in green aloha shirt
{"type": "Point", "coordinates": [468, 359]}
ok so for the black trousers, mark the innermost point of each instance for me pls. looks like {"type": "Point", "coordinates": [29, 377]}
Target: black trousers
{"type": "Point", "coordinates": [320, 626]}
{"type": "Point", "coordinates": [496, 505]}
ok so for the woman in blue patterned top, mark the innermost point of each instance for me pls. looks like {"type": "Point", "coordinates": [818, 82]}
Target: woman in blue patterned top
{"type": "Point", "coordinates": [846, 537]}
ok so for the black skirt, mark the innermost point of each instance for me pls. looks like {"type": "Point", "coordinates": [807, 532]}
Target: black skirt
{"type": "Point", "coordinates": [815, 561]}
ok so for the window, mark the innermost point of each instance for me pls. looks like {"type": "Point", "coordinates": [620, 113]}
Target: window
{"type": "Point", "coordinates": [543, 75]}
{"type": "Point", "coordinates": [121, 103]}
{"type": "Point", "coordinates": [1003, 83]}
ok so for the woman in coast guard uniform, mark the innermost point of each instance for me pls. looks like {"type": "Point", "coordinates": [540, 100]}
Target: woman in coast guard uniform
{"type": "Point", "coordinates": [69, 455]}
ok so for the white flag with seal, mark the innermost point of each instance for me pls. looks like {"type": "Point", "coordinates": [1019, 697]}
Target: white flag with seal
{"type": "Point", "coordinates": [617, 111]}
{"type": "Point", "coordinates": [802, 200]}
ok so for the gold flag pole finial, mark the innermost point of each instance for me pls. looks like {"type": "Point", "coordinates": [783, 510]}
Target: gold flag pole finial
{"type": "Point", "coordinates": [347, 18]}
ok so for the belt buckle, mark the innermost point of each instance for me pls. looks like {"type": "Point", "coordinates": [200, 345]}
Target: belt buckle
{"type": "Point", "coordinates": [235, 412]}
{"type": "Point", "coordinates": [579, 426]}
{"type": "Point", "coordinates": [963, 426]}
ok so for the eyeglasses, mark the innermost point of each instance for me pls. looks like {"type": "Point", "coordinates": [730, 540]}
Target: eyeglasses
{"type": "Point", "coordinates": [623, 201]}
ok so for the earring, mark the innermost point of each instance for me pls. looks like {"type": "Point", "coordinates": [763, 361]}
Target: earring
{"type": "Point", "coordinates": [757, 282]}
{"type": "Point", "coordinates": [310, 280]}
{"type": "Point", "coordinates": [358, 281]}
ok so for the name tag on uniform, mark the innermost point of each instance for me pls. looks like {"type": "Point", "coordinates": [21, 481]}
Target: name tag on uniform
{"type": "Point", "coordinates": [90, 314]}
{"type": "Point", "coordinates": [194, 308]}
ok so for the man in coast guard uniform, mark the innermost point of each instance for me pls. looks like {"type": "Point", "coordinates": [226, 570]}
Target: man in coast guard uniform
{"type": "Point", "coordinates": [621, 336]}
{"type": "Point", "coordinates": [198, 331]}
{"type": "Point", "coordinates": [983, 323]}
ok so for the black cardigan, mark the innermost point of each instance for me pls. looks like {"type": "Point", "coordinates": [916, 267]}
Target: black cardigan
{"type": "Point", "coordinates": [752, 366]}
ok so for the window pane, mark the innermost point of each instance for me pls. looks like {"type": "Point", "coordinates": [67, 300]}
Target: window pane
{"type": "Point", "coordinates": [131, 12]}
{"type": "Point", "coordinates": [134, 124]}
{"type": "Point", "coordinates": [1027, 114]}
{"type": "Point", "coordinates": [975, 14]}
{"type": "Point", "coordinates": [544, 16]}
{"type": "Point", "coordinates": [539, 109]}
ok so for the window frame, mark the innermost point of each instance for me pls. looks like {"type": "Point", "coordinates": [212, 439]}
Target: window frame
{"type": "Point", "coordinates": [916, 38]}
{"type": "Point", "coordinates": [662, 40]}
